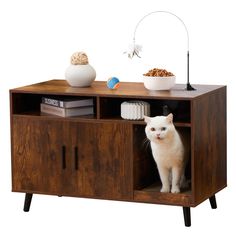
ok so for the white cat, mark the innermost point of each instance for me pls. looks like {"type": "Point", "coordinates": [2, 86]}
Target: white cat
{"type": "Point", "coordinates": [168, 151]}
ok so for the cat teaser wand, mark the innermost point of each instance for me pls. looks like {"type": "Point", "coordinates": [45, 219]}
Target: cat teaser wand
{"type": "Point", "coordinates": [134, 49]}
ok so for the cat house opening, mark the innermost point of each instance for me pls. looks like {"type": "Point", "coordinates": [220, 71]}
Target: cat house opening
{"type": "Point", "coordinates": [146, 176]}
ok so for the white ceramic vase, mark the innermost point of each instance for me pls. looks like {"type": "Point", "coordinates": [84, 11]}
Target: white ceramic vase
{"type": "Point", "coordinates": [80, 75]}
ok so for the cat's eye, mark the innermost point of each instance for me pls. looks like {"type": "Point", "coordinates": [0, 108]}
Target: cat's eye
{"type": "Point", "coordinates": [153, 129]}
{"type": "Point", "coordinates": [163, 128]}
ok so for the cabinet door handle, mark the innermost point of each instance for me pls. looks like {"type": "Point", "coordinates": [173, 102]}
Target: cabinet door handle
{"type": "Point", "coordinates": [63, 157]}
{"type": "Point", "coordinates": [76, 158]}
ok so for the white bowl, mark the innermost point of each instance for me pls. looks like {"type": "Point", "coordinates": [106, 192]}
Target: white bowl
{"type": "Point", "coordinates": [159, 83]}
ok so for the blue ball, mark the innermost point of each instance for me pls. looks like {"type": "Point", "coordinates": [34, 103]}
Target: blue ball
{"type": "Point", "coordinates": [113, 83]}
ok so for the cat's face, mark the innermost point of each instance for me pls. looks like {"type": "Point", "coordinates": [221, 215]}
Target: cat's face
{"type": "Point", "coordinates": [159, 128]}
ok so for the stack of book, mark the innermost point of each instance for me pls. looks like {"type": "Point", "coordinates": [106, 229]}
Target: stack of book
{"type": "Point", "coordinates": [67, 107]}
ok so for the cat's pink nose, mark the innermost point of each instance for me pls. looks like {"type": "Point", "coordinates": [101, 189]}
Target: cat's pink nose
{"type": "Point", "coordinates": [158, 136]}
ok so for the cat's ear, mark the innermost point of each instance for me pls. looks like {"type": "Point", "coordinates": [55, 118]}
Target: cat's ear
{"type": "Point", "coordinates": [169, 118]}
{"type": "Point", "coordinates": [147, 119]}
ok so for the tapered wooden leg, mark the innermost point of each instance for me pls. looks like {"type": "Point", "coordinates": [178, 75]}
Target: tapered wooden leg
{"type": "Point", "coordinates": [212, 200]}
{"type": "Point", "coordinates": [187, 216]}
{"type": "Point", "coordinates": [28, 198]}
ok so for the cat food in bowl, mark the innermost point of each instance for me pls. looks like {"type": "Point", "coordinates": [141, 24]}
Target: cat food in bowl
{"type": "Point", "coordinates": [158, 79]}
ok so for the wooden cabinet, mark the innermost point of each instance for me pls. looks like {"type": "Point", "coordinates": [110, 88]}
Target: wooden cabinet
{"type": "Point", "coordinates": [74, 159]}
{"type": "Point", "coordinates": [37, 160]}
{"type": "Point", "coordinates": [104, 156]}
{"type": "Point", "coordinates": [101, 168]}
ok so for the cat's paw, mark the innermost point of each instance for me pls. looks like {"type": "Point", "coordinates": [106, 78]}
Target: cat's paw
{"type": "Point", "coordinates": [175, 189]}
{"type": "Point", "coordinates": [165, 189]}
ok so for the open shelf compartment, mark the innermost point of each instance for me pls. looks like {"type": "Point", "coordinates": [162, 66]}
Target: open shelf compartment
{"type": "Point", "coordinates": [29, 104]}
{"type": "Point", "coordinates": [110, 108]}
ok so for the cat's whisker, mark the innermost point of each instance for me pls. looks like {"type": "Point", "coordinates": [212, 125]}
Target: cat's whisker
{"type": "Point", "coordinates": [146, 143]}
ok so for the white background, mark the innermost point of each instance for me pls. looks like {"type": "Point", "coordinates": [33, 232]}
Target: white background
{"type": "Point", "coordinates": [36, 41]}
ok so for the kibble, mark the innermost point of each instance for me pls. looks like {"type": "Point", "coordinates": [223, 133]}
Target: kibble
{"type": "Point", "coordinates": [155, 72]}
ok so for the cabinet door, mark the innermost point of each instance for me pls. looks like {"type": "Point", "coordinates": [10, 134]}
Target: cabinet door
{"type": "Point", "coordinates": [104, 165]}
{"type": "Point", "coordinates": [37, 155]}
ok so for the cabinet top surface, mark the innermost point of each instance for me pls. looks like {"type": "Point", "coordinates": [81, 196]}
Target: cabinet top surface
{"type": "Point", "coordinates": [126, 89]}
